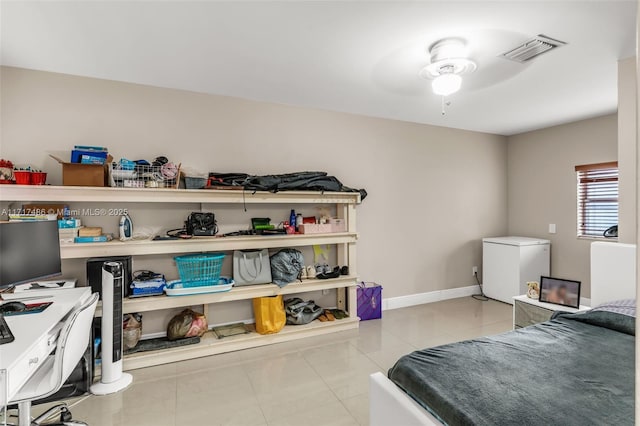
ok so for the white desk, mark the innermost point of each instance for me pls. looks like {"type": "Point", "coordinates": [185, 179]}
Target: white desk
{"type": "Point", "coordinates": [35, 338]}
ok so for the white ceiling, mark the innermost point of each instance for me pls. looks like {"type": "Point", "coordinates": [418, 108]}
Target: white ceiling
{"type": "Point", "coordinates": [358, 57]}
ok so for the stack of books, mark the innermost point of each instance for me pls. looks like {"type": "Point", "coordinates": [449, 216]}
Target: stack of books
{"type": "Point", "coordinates": [28, 217]}
{"type": "Point", "coordinates": [68, 229]}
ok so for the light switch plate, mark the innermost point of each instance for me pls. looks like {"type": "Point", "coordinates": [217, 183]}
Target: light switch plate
{"type": "Point", "coordinates": [552, 228]}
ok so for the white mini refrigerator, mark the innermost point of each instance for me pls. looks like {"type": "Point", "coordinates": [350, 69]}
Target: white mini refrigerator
{"type": "Point", "coordinates": [508, 263]}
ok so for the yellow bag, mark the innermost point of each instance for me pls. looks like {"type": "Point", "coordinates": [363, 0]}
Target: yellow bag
{"type": "Point", "coordinates": [269, 313]}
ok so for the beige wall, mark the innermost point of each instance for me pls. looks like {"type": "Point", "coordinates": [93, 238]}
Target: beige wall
{"type": "Point", "coordinates": [637, 242]}
{"type": "Point", "coordinates": [627, 149]}
{"type": "Point", "coordinates": [434, 192]}
{"type": "Point", "coordinates": [542, 187]}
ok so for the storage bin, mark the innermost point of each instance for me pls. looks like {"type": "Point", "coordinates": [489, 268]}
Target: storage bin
{"type": "Point", "coordinates": [200, 269]}
{"type": "Point", "coordinates": [315, 228]}
{"type": "Point", "coordinates": [145, 176]}
{"type": "Point", "coordinates": [194, 182]}
{"type": "Point", "coordinates": [338, 225]}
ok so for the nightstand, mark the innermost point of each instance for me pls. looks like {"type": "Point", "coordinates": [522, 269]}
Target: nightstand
{"type": "Point", "coordinates": [528, 311]}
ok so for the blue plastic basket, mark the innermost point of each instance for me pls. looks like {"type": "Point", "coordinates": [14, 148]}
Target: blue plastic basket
{"type": "Point", "coordinates": [199, 269]}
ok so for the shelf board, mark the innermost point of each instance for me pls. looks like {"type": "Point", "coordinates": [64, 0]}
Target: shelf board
{"type": "Point", "coordinates": [210, 345]}
{"type": "Point", "coordinates": [200, 244]}
{"type": "Point", "coordinates": [153, 303]}
{"type": "Point", "coordinates": [163, 195]}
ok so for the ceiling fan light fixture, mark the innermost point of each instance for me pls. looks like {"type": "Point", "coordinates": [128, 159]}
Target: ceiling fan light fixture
{"type": "Point", "coordinates": [446, 84]}
{"type": "Point", "coordinates": [448, 48]}
{"type": "Point", "coordinates": [448, 62]}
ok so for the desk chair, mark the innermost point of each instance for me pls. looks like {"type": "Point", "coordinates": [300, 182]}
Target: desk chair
{"type": "Point", "coordinates": [49, 378]}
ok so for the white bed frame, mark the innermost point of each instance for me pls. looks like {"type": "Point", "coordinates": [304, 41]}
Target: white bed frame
{"type": "Point", "coordinates": [613, 277]}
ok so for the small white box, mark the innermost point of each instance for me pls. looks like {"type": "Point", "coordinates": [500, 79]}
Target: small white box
{"type": "Point", "coordinates": [68, 232]}
{"type": "Point", "coordinates": [338, 225]}
{"type": "Point", "coordinates": [67, 235]}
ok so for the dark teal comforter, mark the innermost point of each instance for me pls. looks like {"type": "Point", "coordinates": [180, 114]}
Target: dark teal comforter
{"type": "Point", "coordinates": [577, 369]}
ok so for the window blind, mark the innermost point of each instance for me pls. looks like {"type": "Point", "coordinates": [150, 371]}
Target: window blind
{"type": "Point", "coordinates": [597, 198]}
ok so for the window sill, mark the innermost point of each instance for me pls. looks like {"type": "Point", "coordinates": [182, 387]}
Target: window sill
{"type": "Point", "coordinates": [615, 240]}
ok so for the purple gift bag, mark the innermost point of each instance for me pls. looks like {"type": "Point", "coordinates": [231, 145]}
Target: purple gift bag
{"type": "Point", "coordinates": [369, 301]}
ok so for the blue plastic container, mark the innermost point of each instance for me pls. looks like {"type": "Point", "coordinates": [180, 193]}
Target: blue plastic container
{"type": "Point", "coordinates": [76, 155]}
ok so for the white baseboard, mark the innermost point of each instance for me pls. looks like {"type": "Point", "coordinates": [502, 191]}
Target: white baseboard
{"type": "Point", "coordinates": [438, 295]}
{"type": "Point", "coordinates": [429, 297]}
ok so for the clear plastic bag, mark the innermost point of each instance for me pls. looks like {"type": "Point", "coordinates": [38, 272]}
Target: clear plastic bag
{"type": "Point", "coordinates": [131, 330]}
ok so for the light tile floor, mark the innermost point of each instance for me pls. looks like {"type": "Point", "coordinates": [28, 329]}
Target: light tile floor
{"type": "Point", "coordinates": [315, 381]}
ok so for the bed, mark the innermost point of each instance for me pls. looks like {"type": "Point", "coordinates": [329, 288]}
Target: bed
{"type": "Point", "coordinates": [576, 369]}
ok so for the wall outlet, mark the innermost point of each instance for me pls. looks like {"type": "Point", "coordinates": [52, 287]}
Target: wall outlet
{"type": "Point", "coordinates": [325, 292]}
{"type": "Point", "coordinates": [474, 271]}
{"type": "Point", "coordinates": [552, 228]}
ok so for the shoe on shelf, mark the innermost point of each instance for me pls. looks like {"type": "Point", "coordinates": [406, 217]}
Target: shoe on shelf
{"type": "Point", "coordinates": [344, 270]}
{"type": "Point", "coordinates": [339, 313]}
{"type": "Point", "coordinates": [335, 273]}
{"type": "Point", "coordinates": [311, 272]}
{"type": "Point", "coordinates": [323, 269]}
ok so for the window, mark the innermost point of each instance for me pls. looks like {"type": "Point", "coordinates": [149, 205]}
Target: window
{"type": "Point", "coordinates": [597, 198]}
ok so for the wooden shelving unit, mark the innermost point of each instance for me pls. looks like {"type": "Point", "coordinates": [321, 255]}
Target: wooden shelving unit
{"type": "Point", "coordinates": [200, 244]}
{"type": "Point", "coordinates": [209, 345]}
{"type": "Point", "coordinates": [345, 242]}
{"type": "Point", "coordinates": [165, 195]}
{"type": "Point", "coordinates": [154, 303]}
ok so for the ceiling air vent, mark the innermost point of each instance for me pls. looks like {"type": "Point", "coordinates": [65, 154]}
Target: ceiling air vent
{"type": "Point", "coordinates": [530, 49]}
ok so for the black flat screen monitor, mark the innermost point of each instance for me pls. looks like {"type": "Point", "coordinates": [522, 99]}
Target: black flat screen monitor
{"type": "Point", "coordinates": [29, 251]}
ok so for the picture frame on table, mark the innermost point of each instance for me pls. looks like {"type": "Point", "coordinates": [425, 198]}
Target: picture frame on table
{"type": "Point", "coordinates": [560, 291]}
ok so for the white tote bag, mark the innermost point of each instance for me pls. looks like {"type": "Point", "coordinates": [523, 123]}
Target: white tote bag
{"type": "Point", "coordinates": [251, 267]}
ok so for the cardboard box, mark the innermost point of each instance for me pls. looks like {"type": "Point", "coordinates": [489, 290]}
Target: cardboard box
{"type": "Point", "coordinates": [90, 231]}
{"type": "Point", "coordinates": [75, 174]}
